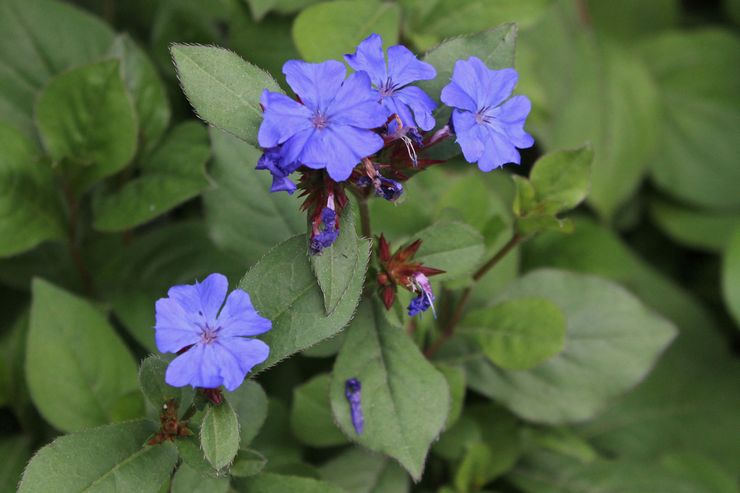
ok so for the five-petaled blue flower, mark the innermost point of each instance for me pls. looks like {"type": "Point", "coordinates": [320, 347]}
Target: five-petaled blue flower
{"type": "Point", "coordinates": [214, 347]}
{"type": "Point", "coordinates": [488, 123]}
{"type": "Point", "coordinates": [331, 126]}
{"type": "Point", "coordinates": [391, 80]}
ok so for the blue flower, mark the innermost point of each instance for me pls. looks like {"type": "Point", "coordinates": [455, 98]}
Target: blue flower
{"type": "Point", "coordinates": [489, 124]}
{"type": "Point", "coordinates": [325, 237]}
{"type": "Point", "coordinates": [391, 80]}
{"type": "Point", "coordinates": [425, 299]}
{"type": "Point", "coordinates": [212, 342]}
{"type": "Point", "coordinates": [272, 160]}
{"type": "Point", "coordinates": [331, 128]}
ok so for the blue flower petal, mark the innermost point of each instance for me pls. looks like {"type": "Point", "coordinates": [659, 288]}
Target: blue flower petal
{"type": "Point", "coordinates": [404, 68]}
{"type": "Point", "coordinates": [369, 58]}
{"type": "Point", "coordinates": [315, 83]}
{"type": "Point", "coordinates": [356, 104]}
{"type": "Point", "coordinates": [203, 298]}
{"type": "Point", "coordinates": [498, 151]}
{"type": "Point", "coordinates": [420, 103]}
{"type": "Point", "coordinates": [283, 118]}
{"type": "Point", "coordinates": [175, 328]}
{"type": "Point", "coordinates": [237, 357]}
{"type": "Point", "coordinates": [455, 96]}
{"type": "Point", "coordinates": [239, 317]}
{"type": "Point", "coordinates": [198, 366]}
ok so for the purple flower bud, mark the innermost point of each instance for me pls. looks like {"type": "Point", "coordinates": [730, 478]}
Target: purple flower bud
{"type": "Point", "coordinates": [324, 238]}
{"type": "Point", "coordinates": [425, 299]}
{"type": "Point", "coordinates": [272, 160]}
{"type": "Point", "coordinates": [388, 189]}
{"type": "Point", "coordinates": [352, 388]}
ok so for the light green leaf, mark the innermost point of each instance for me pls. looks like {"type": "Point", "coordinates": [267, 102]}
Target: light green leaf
{"type": "Point", "coordinates": [223, 89]}
{"type": "Point", "coordinates": [361, 471]}
{"type": "Point", "coordinates": [108, 458]}
{"type": "Point", "coordinates": [78, 370]}
{"type": "Point", "coordinates": [731, 275]}
{"type": "Point", "coordinates": [698, 158]}
{"type": "Point", "coordinates": [156, 391]}
{"type": "Point", "coordinates": [494, 47]}
{"type": "Point", "coordinates": [519, 334]}
{"type": "Point", "coordinates": [328, 30]}
{"type": "Point", "coordinates": [454, 247]}
{"type": "Point", "coordinates": [219, 435]}
{"type": "Point", "coordinates": [278, 483]}
{"type": "Point", "coordinates": [284, 289]}
{"type": "Point", "coordinates": [611, 343]}
{"type": "Point", "coordinates": [171, 175]}
{"type": "Point", "coordinates": [260, 8]}
{"type": "Point", "coordinates": [561, 178]}
{"type": "Point", "coordinates": [335, 265]}
{"type": "Point", "coordinates": [30, 208]}
{"type": "Point", "coordinates": [696, 228]}
{"type": "Point", "coordinates": [146, 88]}
{"type": "Point", "coordinates": [87, 122]}
{"type": "Point", "coordinates": [473, 472]}
{"type": "Point", "coordinates": [405, 399]}
{"type": "Point", "coordinates": [249, 402]}
{"type": "Point", "coordinates": [15, 451]}
{"type": "Point", "coordinates": [241, 202]}
{"type": "Point", "coordinates": [247, 463]}
{"type": "Point", "coordinates": [31, 53]}
{"type": "Point", "coordinates": [310, 415]}
{"type": "Point", "coordinates": [189, 480]}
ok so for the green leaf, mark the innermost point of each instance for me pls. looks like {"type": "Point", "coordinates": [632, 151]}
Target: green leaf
{"type": "Point", "coordinates": [247, 463]}
{"type": "Point", "coordinates": [156, 391]}
{"type": "Point", "coordinates": [405, 399]}
{"type": "Point", "coordinates": [611, 343]}
{"type": "Point", "coordinates": [361, 471]}
{"type": "Point", "coordinates": [275, 440]}
{"type": "Point", "coordinates": [455, 377]}
{"type": "Point", "coordinates": [335, 265]}
{"type": "Point", "coordinates": [328, 30]}
{"type": "Point", "coordinates": [223, 89]}
{"type": "Point", "coordinates": [241, 202]}
{"type": "Point", "coordinates": [519, 334]}
{"type": "Point", "coordinates": [15, 451]}
{"type": "Point", "coordinates": [191, 454]}
{"type": "Point", "coordinates": [249, 402]}
{"type": "Point", "coordinates": [698, 158]}
{"type": "Point", "coordinates": [87, 122]}
{"type": "Point", "coordinates": [108, 458]}
{"type": "Point", "coordinates": [310, 415]}
{"type": "Point", "coordinates": [278, 483]}
{"type": "Point", "coordinates": [731, 275]}
{"type": "Point", "coordinates": [561, 178]}
{"type": "Point", "coordinates": [219, 435]}
{"type": "Point", "coordinates": [494, 47]}
{"type": "Point", "coordinates": [171, 175]}
{"type": "Point", "coordinates": [453, 443]}
{"type": "Point", "coordinates": [31, 52]}
{"type": "Point", "coordinates": [283, 288]}
{"type": "Point", "coordinates": [606, 96]}
{"type": "Point", "coordinates": [146, 88]}
{"type": "Point", "coordinates": [260, 8]}
{"type": "Point", "coordinates": [632, 19]}
{"type": "Point", "coordinates": [30, 208]}
{"type": "Point", "coordinates": [453, 247]}
{"type": "Point", "coordinates": [696, 228]}
{"type": "Point", "coordinates": [78, 370]}
{"type": "Point", "coordinates": [473, 471]}
{"type": "Point", "coordinates": [188, 480]}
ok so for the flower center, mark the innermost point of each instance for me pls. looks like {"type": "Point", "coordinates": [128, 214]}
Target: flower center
{"type": "Point", "coordinates": [208, 335]}
{"type": "Point", "coordinates": [481, 118]}
{"type": "Point", "coordinates": [319, 121]}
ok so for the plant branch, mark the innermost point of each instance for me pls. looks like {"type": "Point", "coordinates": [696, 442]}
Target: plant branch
{"type": "Point", "coordinates": [74, 248]}
{"type": "Point", "coordinates": [449, 330]}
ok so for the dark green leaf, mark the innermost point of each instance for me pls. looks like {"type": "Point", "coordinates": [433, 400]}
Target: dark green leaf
{"type": "Point", "coordinates": [275, 440]}
{"type": "Point", "coordinates": [284, 289]}
{"type": "Point", "coordinates": [78, 370]}
{"type": "Point", "coordinates": [249, 402]}
{"type": "Point", "coordinates": [310, 415]}
{"type": "Point", "coordinates": [731, 275]}
{"type": "Point", "coordinates": [701, 229]}
{"type": "Point", "coordinates": [331, 29]}
{"type": "Point", "coordinates": [405, 400]}
{"type": "Point", "coordinates": [188, 480]}
{"type": "Point", "coordinates": [15, 451]}
{"type": "Point", "coordinates": [361, 471]}
{"type": "Point", "coordinates": [219, 435]}
{"type": "Point", "coordinates": [108, 458]}
{"type": "Point", "coordinates": [87, 122]}
{"type": "Point", "coordinates": [247, 463]}
{"type": "Point", "coordinates": [29, 203]}
{"type": "Point", "coordinates": [172, 174]}
{"type": "Point", "coordinates": [455, 377]}
{"type": "Point", "coordinates": [278, 483]}
{"type": "Point", "coordinates": [223, 89]}
{"type": "Point", "coordinates": [156, 391]}
{"type": "Point", "coordinates": [454, 247]}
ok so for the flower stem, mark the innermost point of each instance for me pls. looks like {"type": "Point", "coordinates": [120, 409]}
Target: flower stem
{"type": "Point", "coordinates": [449, 330]}
{"type": "Point", "coordinates": [72, 244]}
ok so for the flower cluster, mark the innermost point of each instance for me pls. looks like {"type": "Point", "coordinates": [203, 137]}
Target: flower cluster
{"type": "Point", "coordinates": [368, 130]}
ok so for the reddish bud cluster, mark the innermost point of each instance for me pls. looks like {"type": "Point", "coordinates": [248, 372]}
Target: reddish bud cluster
{"type": "Point", "coordinates": [170, 427]}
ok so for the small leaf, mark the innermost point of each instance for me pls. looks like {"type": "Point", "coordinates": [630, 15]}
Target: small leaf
{"type": "Point", "coordinates": [108, 458]}
{"type": "Point", "coordinates": [284, 289]}
{"type": "Point", "coordinates": [78, 369]}
{"type": "Point", "coordinates": [335, 265]}
{"type": "Point", "coordinates": [223, 89]}
{"type": "Point", "coordinates": [699, 229]}
{"type": "Point", "coordinates": [171, 175]}
{"type": "Point", "coordinates": [247, 463]}
{"type": "Point", "coordinates": [518, 334]}
{"type": "Point", "coordinates": [360, 471]}
{"type": "Point", "coordinates": [331, 29]}
{"type": "Point", "coordinates": [310, 415]}
{"type": "Point", "coordinates": [156, 391]}
{"type": "Point", "coordinates": [219, 435]}
{"type": "Point", "coordinates": [30, 207]}
{"type": "Point", "coordinates": [405, 400]}
{"type": "Point", "coordinates": [454, 247]}
{"type": "Point", "coordinates": [188, 480]}
{"type": "Point", "coordinates": [731, 276]}
{"type": "Point", "coordinates": [87, 122]}
{"type": "Point", "coordinates": [192, 455]}
{"type": "Point", "coordinates": [278, 483]}
{"type": "Point", "coordinates": [249, 402]}
{"type": "Point", "coordinates": [561, 178]}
